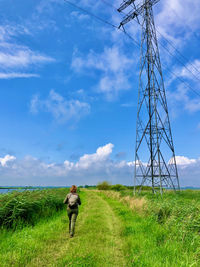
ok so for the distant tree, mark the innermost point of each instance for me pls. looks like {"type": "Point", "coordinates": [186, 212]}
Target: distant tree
{"type": "Point", "coordinates": [145, 188]}
{"type": "Point", "coordinates": [130, 186]}
{"type": "Point", "coordinates": [103, 185]}
{"type": "Point", "coordinates": [118, 187]}
{"type": "Point", "coordinates": [90, 186]}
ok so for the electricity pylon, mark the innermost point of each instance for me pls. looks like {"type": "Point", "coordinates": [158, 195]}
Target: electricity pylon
{"type": "Point", "coordinates": [155, 162]}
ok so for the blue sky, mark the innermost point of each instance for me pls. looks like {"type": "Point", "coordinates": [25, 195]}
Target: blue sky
{"type": "Point", "coordinates": [69, 85]}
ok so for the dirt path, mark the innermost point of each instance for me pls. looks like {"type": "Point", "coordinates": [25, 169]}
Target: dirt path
{"type": "Point", "coordinates": [97, 240]}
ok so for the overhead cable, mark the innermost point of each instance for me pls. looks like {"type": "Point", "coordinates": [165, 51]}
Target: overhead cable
{"type": "Point", "coordinates": [129, 36]}
{"type": "Point", "coordinates": [170, 43]}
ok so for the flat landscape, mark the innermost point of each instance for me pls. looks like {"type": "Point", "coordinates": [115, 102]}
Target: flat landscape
{"type": "Point", "coordinates": [113, 229]}
{"type": "Point", "coordinates": [96, 96]}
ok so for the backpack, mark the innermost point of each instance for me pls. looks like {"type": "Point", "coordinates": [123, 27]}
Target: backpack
{"type": "Point", "coordinates": [72, 201]}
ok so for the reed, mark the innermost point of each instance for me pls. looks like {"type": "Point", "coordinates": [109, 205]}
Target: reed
{"type": "Point", "coordinates": [18, 209]}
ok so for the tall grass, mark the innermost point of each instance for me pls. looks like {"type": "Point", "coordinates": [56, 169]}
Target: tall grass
{"type": "Point", "coordinates": [18, 209]}
{"type": "Point", "coordinates": [174, 218]}
{"type": "Point", "coordinates": [160, 231]}
{"type": "Point", "coordinates": [181, 209]}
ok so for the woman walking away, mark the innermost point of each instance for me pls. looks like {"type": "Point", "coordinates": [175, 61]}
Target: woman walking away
{"type": "Point", "coordinates": [72, 200]}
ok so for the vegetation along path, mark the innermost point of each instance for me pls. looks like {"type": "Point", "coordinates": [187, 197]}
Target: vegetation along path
{"type": "Point", "coordinates": [108, 233]}
{"type": "Point", "coordinates": [97, 240]}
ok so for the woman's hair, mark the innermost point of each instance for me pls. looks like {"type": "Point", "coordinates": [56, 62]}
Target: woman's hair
{"type": "Point", "coordinates": [73, 189]}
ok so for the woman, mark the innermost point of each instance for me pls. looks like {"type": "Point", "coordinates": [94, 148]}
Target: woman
{"type": "Point", "coordinates": [72, 200]}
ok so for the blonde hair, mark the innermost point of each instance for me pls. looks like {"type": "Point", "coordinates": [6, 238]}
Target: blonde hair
{"type": "Point", "coordinates": [73, 189]}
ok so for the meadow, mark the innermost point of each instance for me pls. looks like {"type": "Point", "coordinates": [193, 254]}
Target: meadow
{"type": "Point", "coordinates": [113, 229]}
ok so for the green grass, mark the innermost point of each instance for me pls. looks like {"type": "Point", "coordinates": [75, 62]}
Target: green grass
{"type": "Point", "coordinates": [109, 233]}
{"type": "Point", "coordinates": [18, 209]}
{"type": "Point", "coordinates": [97, 240]}
{"type": "Point", "coordinates": [170, 241]}
{"type": "Point", "coordinates": [180, 210]}
{"type": "Point", "coordinates": [35, 245]}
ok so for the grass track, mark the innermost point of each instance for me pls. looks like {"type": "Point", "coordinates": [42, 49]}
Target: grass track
{"type": "Point", "coordinates": [98, 240]}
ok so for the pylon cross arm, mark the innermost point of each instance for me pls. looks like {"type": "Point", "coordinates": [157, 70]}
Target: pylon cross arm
{"type": "Point", "coordinates": [125, 5]}
{"type": "Point", "coordinates": [136, 12]}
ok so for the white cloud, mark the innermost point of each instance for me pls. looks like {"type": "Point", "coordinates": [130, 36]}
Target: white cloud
{"type": "Point", "coordinates": [89, 169]}
{"type": "Point", "coordinates": [61, 109]}
{"type": "Point", "coordinates": [35, 104]}
{"type": "Point", "coordinates": [183, 96]}
{"type": "Point", "coordinates": [6, 159]}
{"type": "Point", "coordinates": [101, 155]}
{"type": "Point", "coordinates": [15, 57]}
{"type": "Point", "coordinates": [90, 3]}
{"type": "Point", "coordinates": [178, 17]}
{"type": "Point", "coordinates": [190, 71]}
{"type": "Point", "coordinates": [193, 105]}
{"type": "Point", "coordinates": [183, 161]}
{"type": "Point", "coordinates": [129, 105]}
{"type": "Point", "coordinates": [113, 65]}
{"type": "Point", "coordinates": [176, 21]}
{"type": "Point", "coordinates": [13, 75]}
{"type": "Point", "coordinates": [78, 15]}
{"type": "Point", "coordinates": [180, 99]}
{"type": "Point", "coordinates": [7, 31]}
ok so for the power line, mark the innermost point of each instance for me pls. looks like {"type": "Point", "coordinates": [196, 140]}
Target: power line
{"type": "Point", "coordinates": [177, 15]}
{"type": "Point", "coordinates": [177, 51]}
{"type": "Point", "coordinates": [128, 35]}
{"type": "Point", "coordinates": [170, 43]}
{"type": "Point", "coordinates": [90, 13]}
{"type": "Point", "coordinates": [181, 62]}
{"type": "Point", "coordinates": [102, 20]}
{"type": "Point", "coordinates": [178, 77]}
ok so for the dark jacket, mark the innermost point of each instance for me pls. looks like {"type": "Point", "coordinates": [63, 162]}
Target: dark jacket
{"type": "Point", "coordinates": [66, 200]}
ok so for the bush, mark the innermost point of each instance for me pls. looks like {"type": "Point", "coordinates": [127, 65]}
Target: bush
{"type": "Point", "coordinates": [104, 186]}
{"type": "Point", "coordinates": [118, 187]}
{"type": "Point", "coordinates": [90, 186]}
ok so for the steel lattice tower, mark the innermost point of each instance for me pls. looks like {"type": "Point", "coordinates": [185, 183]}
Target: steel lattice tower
{"type": "Point", "coordinates": [155, 163]}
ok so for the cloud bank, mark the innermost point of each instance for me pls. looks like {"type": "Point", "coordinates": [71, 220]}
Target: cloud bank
{"type": "Point", "coordinates": [89, 169]}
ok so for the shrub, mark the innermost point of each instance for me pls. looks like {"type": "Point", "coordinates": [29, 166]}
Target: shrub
{"type": "Point", "coordinates": [104, 186]}
{"type": "Point", "coordinates": [118, 187]}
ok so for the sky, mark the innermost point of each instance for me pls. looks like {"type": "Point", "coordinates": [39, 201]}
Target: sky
{"type": "Point", "coordinates": [69, 88]}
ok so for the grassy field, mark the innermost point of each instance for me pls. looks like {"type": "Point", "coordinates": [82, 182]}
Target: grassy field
{"type": "Point", "coordinates": [113, 229]}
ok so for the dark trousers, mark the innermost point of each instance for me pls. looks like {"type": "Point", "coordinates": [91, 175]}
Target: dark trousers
{"type": "Point", "coordinates": [72, 214]}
